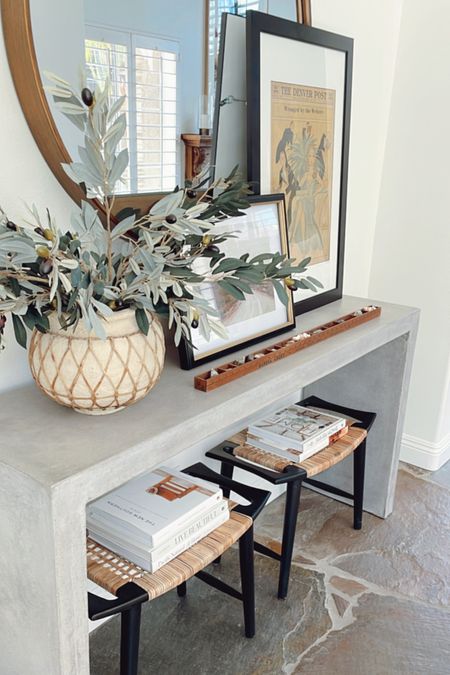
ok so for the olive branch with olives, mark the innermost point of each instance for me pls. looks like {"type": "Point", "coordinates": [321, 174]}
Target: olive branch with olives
{"type": "Point", "coordinates": [147, 262]}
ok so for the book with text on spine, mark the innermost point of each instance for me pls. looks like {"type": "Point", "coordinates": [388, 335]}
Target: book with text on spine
{"type": "Point", "coordinates": [293, 456]}
{"type": "Point", "coordinates": [150, 508]}
{"type": "Point", "coordinates": [297, 427]}
{"type": "Point", "coordinates": [121, 537]}
{"type": "Point", "coordinates": [152, 560]}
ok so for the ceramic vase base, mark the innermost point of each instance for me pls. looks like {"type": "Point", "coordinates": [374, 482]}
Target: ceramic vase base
{"type": "Point", "coordinates": [106, 411]}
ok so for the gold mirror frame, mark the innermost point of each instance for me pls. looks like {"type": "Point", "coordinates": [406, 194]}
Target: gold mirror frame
{"type": "Point", "coordinates": [19, 43]}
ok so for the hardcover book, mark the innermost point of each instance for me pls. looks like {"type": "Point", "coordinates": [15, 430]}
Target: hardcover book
{"type": "Point", "coordinates": [121, 536]}
{"type": "Point", "coordinates": [300, 428]}
{"type": "Point", "coordinates": [152, 560]}
{"type": "Point", "coordinates": [150, 508]}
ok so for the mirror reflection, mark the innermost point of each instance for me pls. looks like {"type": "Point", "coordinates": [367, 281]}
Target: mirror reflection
{"type": "Point", "coordinates": [162, 55]}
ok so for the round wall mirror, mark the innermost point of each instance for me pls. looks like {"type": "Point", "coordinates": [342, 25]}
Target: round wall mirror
{"type": "Point", "coordinates": [163, 55]}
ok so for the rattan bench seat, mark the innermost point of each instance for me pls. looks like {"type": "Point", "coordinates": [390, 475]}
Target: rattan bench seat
{"type": "Point", "coordinates": [110, 571]}
{"type": "Point", "coordinates": [322, 460]}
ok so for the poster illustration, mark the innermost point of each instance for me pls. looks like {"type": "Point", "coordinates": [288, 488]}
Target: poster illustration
{"type": "Point", "coordinates": [302, 135]}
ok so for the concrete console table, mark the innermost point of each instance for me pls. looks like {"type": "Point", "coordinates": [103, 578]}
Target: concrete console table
{"type": "Point", "coordinates": [53, 461]}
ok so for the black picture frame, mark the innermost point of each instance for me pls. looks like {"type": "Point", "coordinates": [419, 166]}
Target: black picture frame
{"type": "Point", "coordinates": [257, 24]}
{"type": "Point", "coordinates": [186, 352]}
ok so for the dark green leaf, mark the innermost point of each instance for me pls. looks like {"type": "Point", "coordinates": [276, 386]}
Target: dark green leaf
{"type": "Point", "coordinates": [246, 288]}
{"type": "Point", "coordinates": [281, 291]}
{"type": "Point", "coordinates": [227, 286]}
{"type": "Point", "coordinates": [252, 275]}
{"type": "Point", "coordinates": [230, 264]}
{"type": "Point", "coordinates": [126, 213]}
{"type": "Point", "coordinates": [29, 319]}
{"type": "Point", "coordinates": [142, 320]}
{"type": "Point", "coordinates": [19, 331]}
{"type": "Point", "coordinates": [99, 288]}
{"type": "Point", "coordinates": [42, 323]}
{"type": "Point", "coordinates": [261, 257]}
{"type": "Point", "coordinates": [75, 277]}
{"type": "Point", "coordinates": [72, 299]}
{"type": "Point", "coordinates": [85, 280]}
{"type": "Point", "coordinates": [32, 319]}
{"type": "Point", "coordinates": [15, 286]}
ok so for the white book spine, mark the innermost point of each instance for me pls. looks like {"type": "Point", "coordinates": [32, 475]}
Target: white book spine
{"type": "Point", "coordinates": [123, 538]}
{"type": "Point", "coordinates": [301, 446]}
{"type": "Point", "coordinates": [155, 504]}
{"type": "Point", "coordinates": [266, 432]}
{"type": "Point", "coordinates": [275, 444]}
{"type": "Point", "coordinates": [292, 455]}
{"type": "Point", "coordinates": [123, 525]}
{"type": "Point", "coordinates": [167, 556]}
{"type": "Point", "coordinates": [318, 441]}
{"type": "Point", "coordinates": [159, 557]}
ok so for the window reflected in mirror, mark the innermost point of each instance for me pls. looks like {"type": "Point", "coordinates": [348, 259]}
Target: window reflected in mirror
{"type": "Point", "coordinates": [142, 68]}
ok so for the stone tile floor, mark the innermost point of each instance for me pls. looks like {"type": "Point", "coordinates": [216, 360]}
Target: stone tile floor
{"type": "Point", "coordinates": [374, 602]}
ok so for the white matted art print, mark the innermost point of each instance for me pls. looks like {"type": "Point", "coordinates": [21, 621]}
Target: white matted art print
{"type": "Point", "coordinates": [299, 89]}
{"type": "Point", "coordinates": [262, 229]}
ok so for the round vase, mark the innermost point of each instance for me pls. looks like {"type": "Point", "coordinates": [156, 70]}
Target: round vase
{"type": "Point", "coordinates": [94, 376]}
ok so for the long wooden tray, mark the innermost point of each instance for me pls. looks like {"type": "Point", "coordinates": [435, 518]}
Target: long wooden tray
{"type": "Point", "coordinates": [232, 370]}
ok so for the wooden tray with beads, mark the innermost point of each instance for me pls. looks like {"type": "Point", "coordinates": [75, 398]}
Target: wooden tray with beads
{"type": "Point", "coordinates": [232, 370]}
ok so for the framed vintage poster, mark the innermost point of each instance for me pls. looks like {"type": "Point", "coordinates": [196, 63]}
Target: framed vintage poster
{"type": "Point", "coordinates": [299, 95]}
{"type": "Point", "coordinates": [261, 229]}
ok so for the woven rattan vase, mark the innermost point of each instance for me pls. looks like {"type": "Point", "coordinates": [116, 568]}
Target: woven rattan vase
{"type": "Point", "coordinates": [95, 376]}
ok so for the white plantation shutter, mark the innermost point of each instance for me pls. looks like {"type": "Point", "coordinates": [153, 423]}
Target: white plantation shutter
{"type": "Point", "coordinates": [216, 9]}
{"type": "Point", "coordinates": [144, 69]}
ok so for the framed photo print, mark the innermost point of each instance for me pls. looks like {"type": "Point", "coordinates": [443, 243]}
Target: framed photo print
{"type": "Point", "coordinates": [262, 229]}
{"type": "Point", "coordinates": [299, 95]}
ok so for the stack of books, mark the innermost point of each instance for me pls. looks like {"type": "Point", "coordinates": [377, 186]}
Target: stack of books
{"type": "Point", "coordinates": [296, 433]}
{"type": "Point", "coordinates": [155, 517]}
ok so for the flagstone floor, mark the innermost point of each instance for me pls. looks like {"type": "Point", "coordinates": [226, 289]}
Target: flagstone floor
{"type": "Point", "coordinates": [374, 602]}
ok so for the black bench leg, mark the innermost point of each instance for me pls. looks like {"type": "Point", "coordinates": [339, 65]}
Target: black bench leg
{"type": "Point", "coordinates": [181, 590]}
{"type": "Point", "coordinates": [227, 471]}
{"type": "Point", "coordinates": [129, 644]}
{"type": "Point", "coordinates": [246, 560]}
{"type": "Point", "coordinates": [359, 461]}
{"type": "Point", "coordinates": [289, 527]}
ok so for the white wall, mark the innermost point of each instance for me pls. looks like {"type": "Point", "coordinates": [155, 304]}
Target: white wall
{"type": "Point", "coordinates": [58, 32]}
{"type": "Point", "coordinates": [24, 178]}
{"type": "Point", "coordinates": [374, 27]}
{"type": "Point", "coordinates": [412, 241]}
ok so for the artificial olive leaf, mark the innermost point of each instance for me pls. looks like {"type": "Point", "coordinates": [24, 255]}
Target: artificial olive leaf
{"type": "Point", "coordinates": [19, 331]}
{"type": "Point", "coordinates": [245, 288]}
{"type": "Point", "coordinates": [119, 166]}
{"type": "Point", "coordinates": [309, 285]}
{"type": "Point", "coordinates": [316, 282]}
{"type": "Point", "coordinates": [75, 276]}
{"type": "Point", "coordinates": [126, 212]}
{"type": "Point", "coordinates": [142, 320]}
{"type": "Point", "coordinates": [97, 325]}
{"type": "Point", "coordinates": [227, 286]}
{"type": "Point", "coordinates": [280, 291]}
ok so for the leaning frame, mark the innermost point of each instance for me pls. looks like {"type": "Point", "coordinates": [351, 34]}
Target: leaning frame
{"type": "Point", "coordinates": [258, 23]}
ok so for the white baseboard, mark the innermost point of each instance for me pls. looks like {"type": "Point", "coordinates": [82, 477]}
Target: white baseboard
{"type": "Point", "coordinates": [423, 453]}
